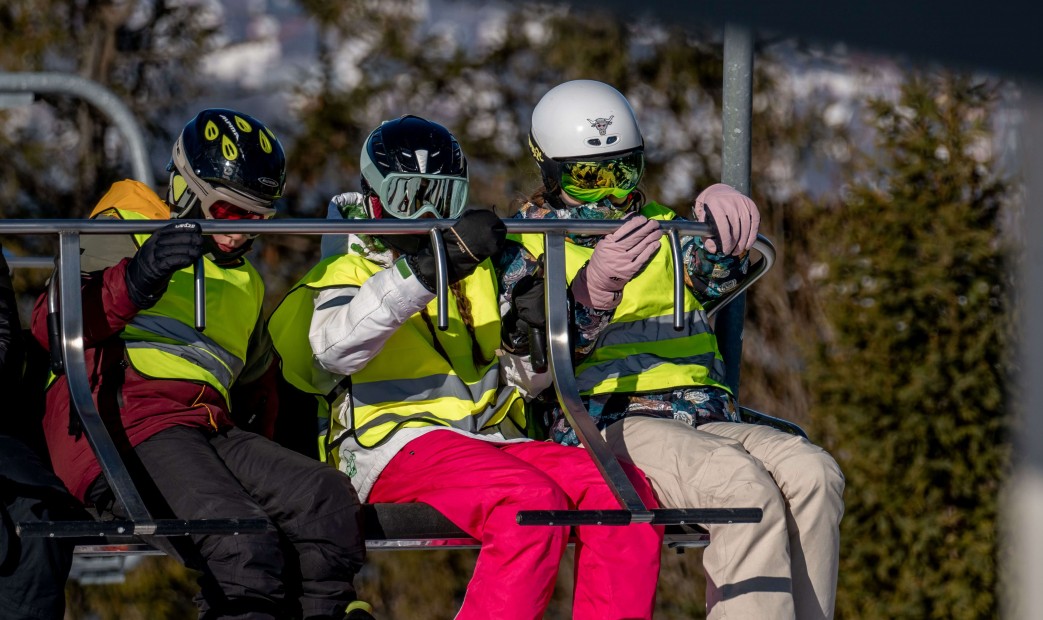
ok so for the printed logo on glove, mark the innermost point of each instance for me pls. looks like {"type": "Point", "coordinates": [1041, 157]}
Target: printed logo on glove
{"type": "Point", "coordinates": [169, 250]}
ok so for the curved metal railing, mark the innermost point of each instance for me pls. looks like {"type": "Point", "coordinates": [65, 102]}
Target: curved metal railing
{"type": "Point", "coordinates": [559, 353]}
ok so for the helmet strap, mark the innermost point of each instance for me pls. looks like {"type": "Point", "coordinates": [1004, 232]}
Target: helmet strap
{"type": "Point", "coordinates": [193, 212]}
{"type": "Point", "coordinates": [185, 207]}
{"type": "Point", "coordinates": [371, 202]}
{"type": "Point", "coordinates": [376, 209]}
{"type": "Point", "coordinates": [405, 244]}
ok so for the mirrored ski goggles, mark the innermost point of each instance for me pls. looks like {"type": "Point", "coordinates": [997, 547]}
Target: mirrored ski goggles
{"type": "Point", "coordinates": [222, 203]}
{"type": "Point", "coordinates": [410, 196]}
{"type": "Point", "coordinates": [590, 181]}
{"type": "Point", "coordinates": [222, 210]}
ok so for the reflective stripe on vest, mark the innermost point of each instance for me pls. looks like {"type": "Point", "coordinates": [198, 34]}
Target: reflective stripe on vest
{"type": "Point", "coordinates": [162, 342]}
{"type": "Point", "coordinates": [640, 351]}
{"type": "Point", "coordinates": [197, 348]}
{"type": "Point", "coordinates": [409, 383]}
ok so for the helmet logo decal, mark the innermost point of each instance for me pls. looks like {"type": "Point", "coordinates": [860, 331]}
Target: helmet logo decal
{"type": "Point", "coordinates": [268, 182]}
{"type": "Point", "coordinates": [231, 127]}
{"type": "Point", "coordinates": [210, 131]}
{"type": "Point", "coordinates": [243, 125]}
{"type": "Point", "coordinates": [421, 160]}
{"type": "Point", "coordinates": [601, 124]}
{"type": "Point", "coordinates": [228, 149]}
{"type": "Point", "coordinates": [266, 145]}
{"type": "Point", "coordinates": [537, 154]}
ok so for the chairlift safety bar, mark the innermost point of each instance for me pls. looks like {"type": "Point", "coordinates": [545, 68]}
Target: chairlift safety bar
{"type": "Point", "coordinates": [559, 355]}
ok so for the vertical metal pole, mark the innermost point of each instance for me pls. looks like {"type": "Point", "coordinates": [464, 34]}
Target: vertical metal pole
{"type": "Point", "coordinates": [675, 254]}
{"type": "Point", "coordinates": [1024, 507]}
{"type": "Point", "coordinates": [735, 171]}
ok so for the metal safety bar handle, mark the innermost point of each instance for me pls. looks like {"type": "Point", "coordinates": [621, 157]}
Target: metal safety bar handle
{"type": "Point", "coordinates": [559, 354]}
{"type": "Point", "coordinates": [441, 278]}
{"type": "Point", "coordinates": [441, 284]}
{"type": "Point", "coordinates": [73, 357]}
{"type": "Point", "coordinates": [313, 227]}
{"type": "Point", "coordinates": [560, 364]}
{"type": "Point", "coordinates": [199, 289]}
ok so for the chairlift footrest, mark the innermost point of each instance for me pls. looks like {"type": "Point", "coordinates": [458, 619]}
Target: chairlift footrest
{"type": "Point", "coordinates": [660, 516]}
{"type": "Point", "coordinates": [705, 516]}
{"type": "Point", "coordinates": [574, 517]}
{"type": "Point", "coordinates": [158, 527]}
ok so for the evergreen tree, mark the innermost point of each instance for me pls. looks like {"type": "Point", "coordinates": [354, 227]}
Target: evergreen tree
{"type": "Point", "coordinates": [59, 162]}
{"type": "Point", "coordinates": [61, 153]}
{"type": "Point", "coordinates": [908, 381]}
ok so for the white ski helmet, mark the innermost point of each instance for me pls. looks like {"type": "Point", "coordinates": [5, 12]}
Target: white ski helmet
{"type": "Point", "coordinates": [585, 121]}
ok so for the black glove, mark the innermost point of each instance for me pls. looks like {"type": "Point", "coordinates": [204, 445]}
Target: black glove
{"type": "Point", "coordinates": [527, 312]}
{"type": "Point", "coordinates": [528, 301]}
{"type": "Point", "coordinates": [476, 236]}
{"type": "Point", "coordinates": [10, 328]}
{"type": "Point", "coordinates": [168, 250]}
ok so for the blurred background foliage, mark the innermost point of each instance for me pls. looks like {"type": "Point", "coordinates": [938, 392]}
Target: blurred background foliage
{"type": "Point", "coordinates": [884, 328]}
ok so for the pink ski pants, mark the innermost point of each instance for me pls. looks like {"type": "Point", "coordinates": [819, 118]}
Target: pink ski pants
{"type": "Point", "coordinates": [481, 486]}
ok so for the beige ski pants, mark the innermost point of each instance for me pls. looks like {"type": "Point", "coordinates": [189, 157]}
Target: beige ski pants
{"type": "Point", "coordinates": [784, 567]}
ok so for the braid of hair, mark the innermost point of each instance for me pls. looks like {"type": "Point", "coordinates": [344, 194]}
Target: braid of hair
{"type": "Point", "coordinates": [464, 305]}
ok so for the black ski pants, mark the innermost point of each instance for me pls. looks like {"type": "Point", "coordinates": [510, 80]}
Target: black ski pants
{"type": "Point", "coordinates": [302, 566]}
{"type": "Point", "coordinates": [32, 570]}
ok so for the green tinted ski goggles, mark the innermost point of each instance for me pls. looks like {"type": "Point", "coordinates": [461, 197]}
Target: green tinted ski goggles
{"type": "Point", "coordinates": [590, 181]}
{"type": "Point", "coordinates": [410, 196]}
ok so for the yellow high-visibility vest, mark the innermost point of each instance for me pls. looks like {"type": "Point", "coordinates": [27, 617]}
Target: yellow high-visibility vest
{"type": "Point", "coordinates": [640, 351]}
{"type": "Point", "coordinates": [162, 342]}
{"type": "Point", "coordinates": [421, 377]}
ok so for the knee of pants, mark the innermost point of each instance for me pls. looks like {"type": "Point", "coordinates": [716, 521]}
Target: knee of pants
{"type": "Point", "coordinates": [332, 490]}
{"type": "Point", "coordinates": [811, 474]}
{"type": "Point", "coordinates": [749, 484]}
{"type": "Point", "coordinates": [729, 472]}
{"type": "Point", "coordinates": [332, 516]}
{"type": "Point", "coordinates": [534, 493]}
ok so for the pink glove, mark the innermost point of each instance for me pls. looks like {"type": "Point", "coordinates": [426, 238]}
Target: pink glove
{"type": "Point", "coordinates": [617, 258]}
{"type": "Point", "coordinates": [733, 217]}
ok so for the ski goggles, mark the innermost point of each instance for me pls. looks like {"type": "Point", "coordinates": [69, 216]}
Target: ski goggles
{"type": "Point", "coordinates": [590, 181]}
{"type": "Point", "coordinates": [410, 196]}
{"type": "Point", "coordinates": [222, 210]}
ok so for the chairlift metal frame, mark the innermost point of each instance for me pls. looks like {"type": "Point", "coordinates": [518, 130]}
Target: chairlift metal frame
{"type": "Point", "coordinates": [390, 526]}
{"type": "Point", "coordinates": [66, 313]}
